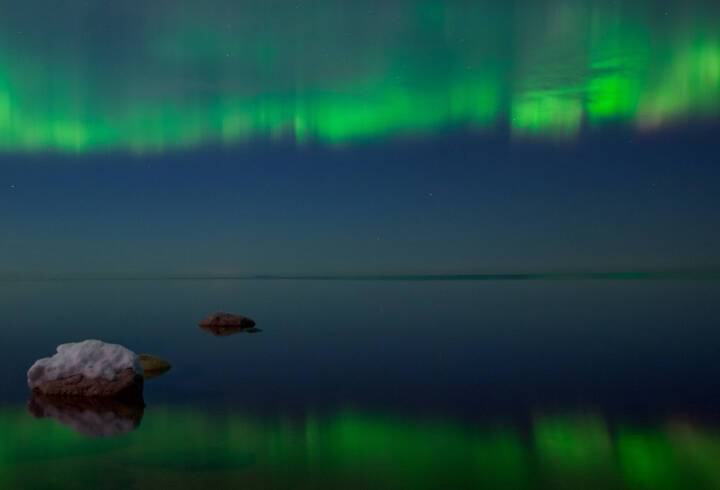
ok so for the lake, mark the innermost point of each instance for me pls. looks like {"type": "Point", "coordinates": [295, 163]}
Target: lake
{"type": "Point", "coordinates": [375, 384]}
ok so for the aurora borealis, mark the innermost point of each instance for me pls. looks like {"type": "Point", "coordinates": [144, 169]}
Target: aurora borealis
{"type": "Point", "coordinates": [140, 77]}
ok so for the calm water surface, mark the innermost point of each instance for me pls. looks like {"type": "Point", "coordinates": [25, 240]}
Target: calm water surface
{"type": "Point", "coordinates": [375, 384]}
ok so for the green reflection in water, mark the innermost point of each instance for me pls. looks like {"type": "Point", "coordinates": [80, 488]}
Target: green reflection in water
{"type": "Point", "coordinates": [149, 77]}
{"type": "Point", "coordinates": [187, 448]}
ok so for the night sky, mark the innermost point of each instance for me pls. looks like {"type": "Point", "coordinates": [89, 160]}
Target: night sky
{"type": "Point", "coordinates": [335, 137]}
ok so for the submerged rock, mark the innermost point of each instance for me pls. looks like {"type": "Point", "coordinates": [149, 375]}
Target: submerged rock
{"type": "Point", "coordinates": [93, 417]}
{"type": "Point", "coordinates": [153, 366]}
{"type": "Point", "coordinates": [223, 324]}
{"type": "Point", "coordinates": [89, 368]}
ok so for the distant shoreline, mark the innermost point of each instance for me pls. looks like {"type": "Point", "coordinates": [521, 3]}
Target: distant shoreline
{"type": "Point", "coordinates": [713, 274]}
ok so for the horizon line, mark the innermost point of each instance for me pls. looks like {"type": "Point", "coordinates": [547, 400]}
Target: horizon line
{"type": "Point", "coordinates": [712, 273]}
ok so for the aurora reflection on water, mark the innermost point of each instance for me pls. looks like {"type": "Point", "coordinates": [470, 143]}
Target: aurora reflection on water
{"type": "Point", "coordinates": [191, 448]}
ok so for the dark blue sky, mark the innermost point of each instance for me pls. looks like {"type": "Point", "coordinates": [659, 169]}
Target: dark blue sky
{"type": "Point", "coordinates": [453, 203]}
{"type": "Point", "coordinates": [226, 137]}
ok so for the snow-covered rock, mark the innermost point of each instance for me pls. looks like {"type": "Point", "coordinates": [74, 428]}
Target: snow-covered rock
{"type": "Point", "coordinates": [88, 368]}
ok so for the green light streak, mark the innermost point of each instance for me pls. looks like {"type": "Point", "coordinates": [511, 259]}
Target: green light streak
{"type": "Point", "coordinates": [542, 112]}
{"type": "Point", "coordinates": [229, 75]}
{"type": "Point", "coordinates": [649, 460]}
{"type": "Point", "coordinates": [573, 443]}
{"type": "Point", "coordinates": [689, 83]}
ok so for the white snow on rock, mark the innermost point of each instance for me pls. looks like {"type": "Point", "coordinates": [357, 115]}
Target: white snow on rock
{"type": "Point", "coordinates": [91, 358]}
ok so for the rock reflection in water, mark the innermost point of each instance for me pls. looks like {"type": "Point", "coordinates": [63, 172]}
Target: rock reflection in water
{"type": "Point", "coordinates": [225, 331]}
{"type": "Point", "coordinates": [92, 417]}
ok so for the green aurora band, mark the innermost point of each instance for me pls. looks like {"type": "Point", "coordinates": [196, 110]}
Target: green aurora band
{"type": "Point", "coordinates": [152, 76]}
{"type": "Point", "coordinates": [196, 449]}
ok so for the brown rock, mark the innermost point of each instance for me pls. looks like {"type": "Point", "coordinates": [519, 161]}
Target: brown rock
{"type": "Point", "coordinates": [224, 324]}
{"type": "Point", "coordinates": [126, 383]}
{"type": "Point", "coordinates": [153, 366]}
